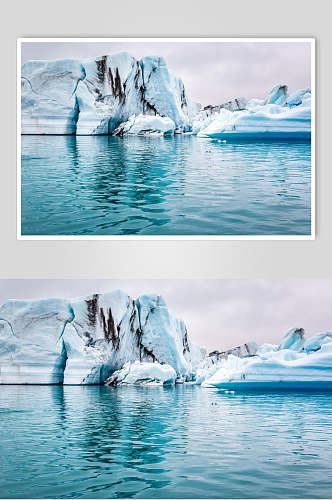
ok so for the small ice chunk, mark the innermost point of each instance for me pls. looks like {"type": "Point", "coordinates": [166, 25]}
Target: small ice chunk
{"type": "Point", "coordinates": [138, 373]}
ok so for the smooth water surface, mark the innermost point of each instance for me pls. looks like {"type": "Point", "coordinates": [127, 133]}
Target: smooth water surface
{"type": "Point", "coordinates": [179, 442]}
{"type": "Point", "coordinates": [182, 185]}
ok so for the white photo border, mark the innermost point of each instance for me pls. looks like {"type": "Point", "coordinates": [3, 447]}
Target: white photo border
{"type": "Point", "coordinates": [310, 40]}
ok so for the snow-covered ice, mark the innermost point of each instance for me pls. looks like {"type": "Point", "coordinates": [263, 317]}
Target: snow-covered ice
{"type": "Point", "coordinates": [215, 359]}
{"type": "Point", "coordinates": [270, 118]}
{"type": "Point", "coordinates": [121, 95]}
{"type": "Point", "coordinates": [138, 373]}
{"type": "Point", "coordinates": [115, 338]}
{"type": "Point", "coordinates": [146, 125]}
{"type": "Point", "coordinates": [290, 365]}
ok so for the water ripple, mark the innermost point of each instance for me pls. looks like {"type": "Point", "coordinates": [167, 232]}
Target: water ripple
{"type": "Point", "coordinates": [165, 186]}
{"type": "Point", "coordinates": [182, 442]}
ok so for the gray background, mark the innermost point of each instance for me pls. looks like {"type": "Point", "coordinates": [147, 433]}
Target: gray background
{"type": "Point", "coordinates": [161, 259]}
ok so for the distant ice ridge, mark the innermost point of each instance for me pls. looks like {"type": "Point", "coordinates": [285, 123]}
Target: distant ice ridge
{"type": "Point", "coordinates": [85, 340]}
{"type": "Point", "coordinates": [296, 363]}
{"type": "Point", "coordinates": [211, 363]}
{"type": "Point", "coordinates": [123, 96]}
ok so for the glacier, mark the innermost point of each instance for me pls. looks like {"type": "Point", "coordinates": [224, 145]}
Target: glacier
{"type": "Point", "coordinates": [85, 340]}
{"type": "Point", "coordinates": [114, 339]}
{"type": "Point", "coordinates": [120, 95]}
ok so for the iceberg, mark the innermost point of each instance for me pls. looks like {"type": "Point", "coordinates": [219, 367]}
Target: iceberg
{"type": "Point", "coordinates": [138, 373]}
{"type": "Point", "coordinates": [293, 339]}
{"type": "Point", "coordinates": [85, 340]}
{"type": "Point", "coordinates": [287, 366]}
{"type": "Point", "coordinates": [114, 339]}
{"type": "Point", "coordinates": [94, 96]}
{"type": "Point", "coordinates": [146, 125]}
{"type": "Point", "coordinates": [269, 121]}
{"type": "Point", "coordinates": [120, 95]}
{"type": "Point", "coordinates": [279, 116]}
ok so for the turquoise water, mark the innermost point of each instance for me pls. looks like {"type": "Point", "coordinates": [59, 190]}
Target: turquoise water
{"type": "Point", "coordinates": [180, 442]}
{"type": "Point", "coordinates": [181, 185]}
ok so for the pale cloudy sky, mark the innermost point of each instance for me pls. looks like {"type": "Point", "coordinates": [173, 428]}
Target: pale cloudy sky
{"type": "Point", "coordinates": [219, 313]}
{"type": "Point", "coordinates": [212, 72]}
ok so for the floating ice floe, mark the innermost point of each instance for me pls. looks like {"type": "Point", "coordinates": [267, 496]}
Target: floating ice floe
{"type": "Point", "coordinates": [296, 363]}
{"type": "Point", "coordinates": [146, 125]}
{"type": "Point", "coordinates": [138, 373]}
{"type": "Point", "coordinates": [271, 118]}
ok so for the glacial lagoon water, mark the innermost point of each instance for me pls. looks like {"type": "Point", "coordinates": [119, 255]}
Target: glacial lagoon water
{"type": "Point", "coordinates": [176, 442]}
{"type": "Point", "coordinates": [182, 185]}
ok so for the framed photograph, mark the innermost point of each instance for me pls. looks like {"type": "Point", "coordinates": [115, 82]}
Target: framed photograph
{"type": "Point", "coordinates": [155, 138]}
{"type": "Point", "coordinates": [165, 389]}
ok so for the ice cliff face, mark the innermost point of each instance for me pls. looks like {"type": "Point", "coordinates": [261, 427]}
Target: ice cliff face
{"type": "Point", "coordinates": [123, 96]}
{"type": "Point", "coordinates": [95, 96]}
{"type": "Point", "coordinates": [84, 341]}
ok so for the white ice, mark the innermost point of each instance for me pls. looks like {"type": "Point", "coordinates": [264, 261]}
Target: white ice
{"type": "Point", "coordinates": [122, 95]}
{"type": "Point", "coordinates": [88, 339]}
{"type": "Point", "coordinates": [277, 367]}
{"type": "Point", "coordinates": [84, 340]}
{"type": "Point", "coordinates": [137, 373]}
{"type": "Point", "coordinates": [278, 116]}
{"type": "Point", "coordinates": [146, 125]}
{"type": "Point", "coordinates": [94, 96]}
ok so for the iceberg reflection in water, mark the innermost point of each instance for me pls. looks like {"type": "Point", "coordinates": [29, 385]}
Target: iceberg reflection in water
{"type": "Point", "coordinates": [182, 185]}
{"type": "Point", "coordinates": [180, 442]}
